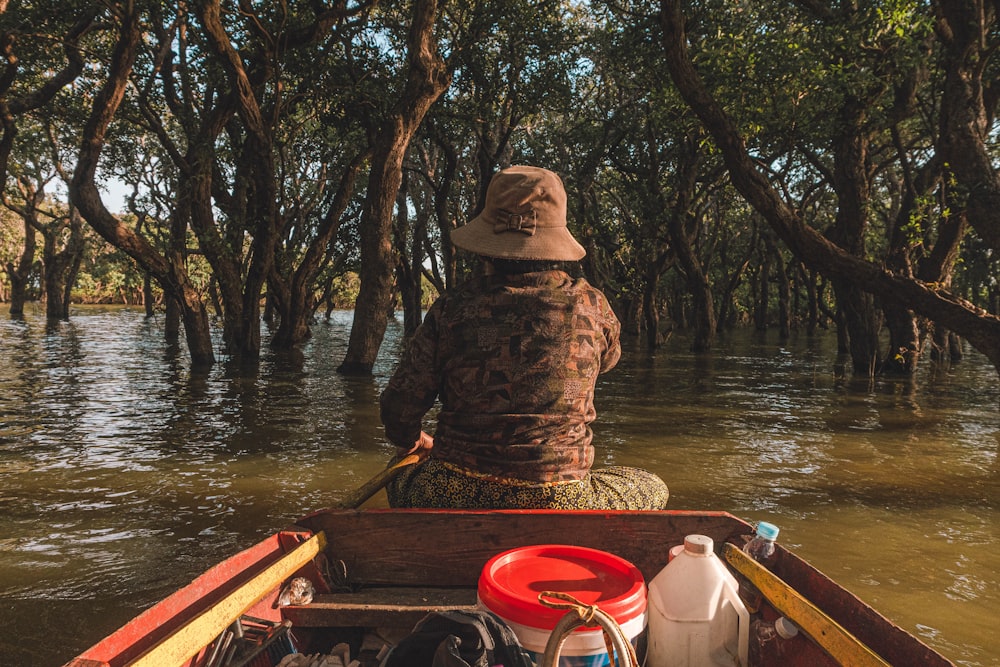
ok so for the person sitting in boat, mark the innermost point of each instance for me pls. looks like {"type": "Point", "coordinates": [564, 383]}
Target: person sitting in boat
{"type": "Point", "coordinates": [513, 355]}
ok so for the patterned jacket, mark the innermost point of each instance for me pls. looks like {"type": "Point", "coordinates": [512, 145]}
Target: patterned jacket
{"type": "Point", "coordinates": [514, 360]}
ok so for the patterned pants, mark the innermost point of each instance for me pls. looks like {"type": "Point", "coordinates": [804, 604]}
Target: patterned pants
{"type": "Point", "coordinates": [441, 485]}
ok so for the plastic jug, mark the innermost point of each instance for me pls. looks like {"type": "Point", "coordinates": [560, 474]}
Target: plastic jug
{"type": "Point", "coordinates": [696, 617]}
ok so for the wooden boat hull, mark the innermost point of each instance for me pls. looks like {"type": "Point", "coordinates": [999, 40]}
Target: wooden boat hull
{"type": "Point", "coordinates": [394, 566]}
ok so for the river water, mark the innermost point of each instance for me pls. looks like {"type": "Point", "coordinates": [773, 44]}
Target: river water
{"type": "Point", "coordinates": [123, 475]}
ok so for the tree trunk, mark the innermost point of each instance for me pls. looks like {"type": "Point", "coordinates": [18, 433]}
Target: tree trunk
{"type": "Point", "coordinates": [903, 354]}
{"type": "Point", "coordinates": [61, 267]}
{"type": "Point", "coordinates": [763, 289]}
{"type": "Point", "coordinates": [417, 269]}
{"type": "Point", "coordinates": [74, 271]}
{"type": "Point", "coordinates": [442, 194]}
{"type": "Point", "coordinates": [377, 261]}
{"type": "Point", "coordinates": [651, 311]}
{"type": "Point", "coordinates": [850, 182]}
{"type": "Point", "coordinates": [812, 300]}
{"type": "Point", "coordinates": [214, 299]}
{"type": "Point", "coordinates": [704, 316]}
{"type": "Point", "coordinates": [171, 319]}
{"type": "Point", "coordinates": [860, 327]}
{"type": "Point", "coordinates": [945, 345]}
{"type": "Point", "coordinates": [784, 297]}
{"type": "Point", "coordinates": [407, 281]}
{"type": "Point", "coordinates": [271, 304]}
{"type": "Point", "coordinates": [227, 271]}
{"type": "Point", "coordinates": [427, 79]}
{"type": "Point", "coordinates": [727, 312]}
{"type": "Point", "coordinates": [20, 275]}
{"type": "Point", "coordinates": [904, 340]}
{"type": "Point", "coordinates": [682, 225]}
{"type": "Point", "coordinates": [55, 282]}
{"type": "Point", "coordinates": [679, 316]}
{"type": "Point", "coordinates": [632, 321]}
{"type": "Point", "coordinates": [955, 347]}
{"type": "Point", "coordinates": [772, 255]}
{"type": "Point", "coordinates": [147, 295]}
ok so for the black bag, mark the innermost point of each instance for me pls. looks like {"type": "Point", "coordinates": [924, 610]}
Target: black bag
{"type": "Point", "coordinates": [459, 639]}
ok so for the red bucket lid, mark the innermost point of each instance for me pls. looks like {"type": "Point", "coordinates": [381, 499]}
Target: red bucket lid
{"type": "Point", "coordinates": [511, 581]}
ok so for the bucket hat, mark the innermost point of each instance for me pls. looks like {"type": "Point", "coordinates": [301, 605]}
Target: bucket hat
{"type": "Point", "coordinates": [524, 218]}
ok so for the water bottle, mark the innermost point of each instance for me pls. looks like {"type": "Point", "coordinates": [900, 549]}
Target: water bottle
{"type": "Point", "coordinates": [781, 627]}
{"type": "Point", "coordinates": [761, 549]}
{"type": "Point", "coordinates": [768, 641]}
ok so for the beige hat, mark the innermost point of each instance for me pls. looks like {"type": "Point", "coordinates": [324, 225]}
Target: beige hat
{"type": "Point", "coordinates": [524, 218]}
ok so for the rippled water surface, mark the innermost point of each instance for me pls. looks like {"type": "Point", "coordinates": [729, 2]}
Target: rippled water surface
{"type": "Point", "coordinates": [123, 475]}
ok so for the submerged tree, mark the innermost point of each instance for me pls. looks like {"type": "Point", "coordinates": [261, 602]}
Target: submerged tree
{"type": "Point", "coordinates": [86, 196]}
{"type": "Point", "coordinates": [933, 301]}
{"type": "Point", "coordinates": [36, 69]}
{"type": "Point", "coordinates": [426, 79]}
{"type": "Point", "coordinates": [266, 148]}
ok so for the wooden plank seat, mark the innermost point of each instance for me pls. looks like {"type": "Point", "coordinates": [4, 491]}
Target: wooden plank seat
{"type": "Point", "coordinates": [382, 607]}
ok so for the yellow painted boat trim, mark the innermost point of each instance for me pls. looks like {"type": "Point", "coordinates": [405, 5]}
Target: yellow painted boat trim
{"type": "Point", "coordinates": [842, 646]}
{"type": "Point", "coordinates": [184, 644]}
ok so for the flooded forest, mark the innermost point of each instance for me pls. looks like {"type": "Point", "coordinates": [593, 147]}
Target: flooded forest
{"type": "Point", "coordinates": [220, 200]}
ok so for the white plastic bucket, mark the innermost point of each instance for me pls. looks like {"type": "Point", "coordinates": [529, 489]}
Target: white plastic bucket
{"type": "Point", "coordinates": [584, 648]}
{"type": "Point", "coordinates": [696, 616]}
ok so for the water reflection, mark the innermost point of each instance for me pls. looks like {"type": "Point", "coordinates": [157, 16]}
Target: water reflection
{"type": "Point", "coordinates": [123, 474]}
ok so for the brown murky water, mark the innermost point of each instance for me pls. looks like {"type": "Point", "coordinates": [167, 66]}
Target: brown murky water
{"type": "Point", "coordinates": [123, 476]}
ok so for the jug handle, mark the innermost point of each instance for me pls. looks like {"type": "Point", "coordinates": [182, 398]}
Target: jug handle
{"type": "Point", "coordinates": [743, 636]}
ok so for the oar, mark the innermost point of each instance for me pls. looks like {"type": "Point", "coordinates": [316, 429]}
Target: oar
{"type": "Point", "coordinates": [354, 499]}
{"type": "Point", "coordinates": [840, 644]}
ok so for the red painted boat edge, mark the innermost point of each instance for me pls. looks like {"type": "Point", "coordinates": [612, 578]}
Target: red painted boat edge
{"type": "Point", "coordinates": [163, 618]}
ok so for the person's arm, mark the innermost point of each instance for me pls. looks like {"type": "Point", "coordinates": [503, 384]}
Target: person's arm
{"type": "Point", "coordinates": [612, 334]}
{"type": "Point", "coordinates": [412, 389]}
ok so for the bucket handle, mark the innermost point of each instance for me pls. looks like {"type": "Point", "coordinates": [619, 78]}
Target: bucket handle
{"type": "Point", "coordinates": [590, 616]}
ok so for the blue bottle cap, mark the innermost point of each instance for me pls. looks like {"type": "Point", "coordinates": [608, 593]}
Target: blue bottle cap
{"type": "Point", "coordinates": [767, 530]}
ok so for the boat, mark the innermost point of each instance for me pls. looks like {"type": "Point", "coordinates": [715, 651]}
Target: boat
{"type": "Point", "coordinates": [377, 572]}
